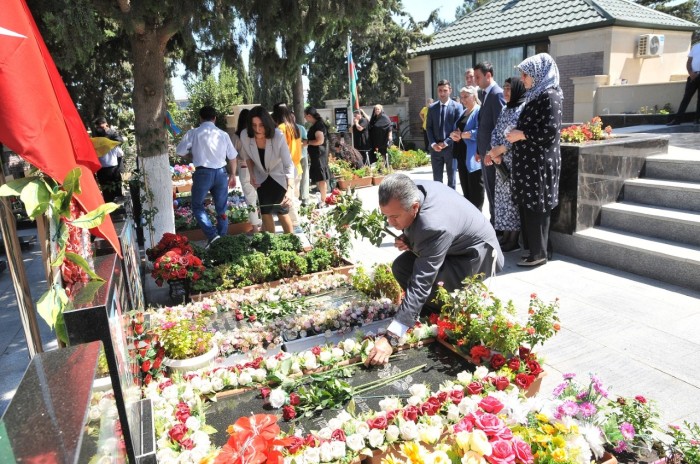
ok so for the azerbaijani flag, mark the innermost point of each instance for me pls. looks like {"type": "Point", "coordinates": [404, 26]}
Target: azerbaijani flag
{"type": "Point", "coordinates": [352, 79]}
{"type": "Point", "coordinates": [170, 124]}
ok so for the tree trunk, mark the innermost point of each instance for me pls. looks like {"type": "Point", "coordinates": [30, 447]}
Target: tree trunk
{"type": "Point", "coordinates": [298, 97]}
{"type": "Point", "coordinates": [147, 48]}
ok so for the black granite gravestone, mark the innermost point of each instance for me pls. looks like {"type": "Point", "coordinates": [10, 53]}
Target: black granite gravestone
{"type": "Point", "coordinates": [47, 419]}
{"type": "Point", "coordinates": [102, 315]}
{"type": "Point", "coordinates": [440, 365]}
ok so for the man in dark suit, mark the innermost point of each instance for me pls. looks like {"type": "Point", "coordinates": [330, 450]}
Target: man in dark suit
{"type": "Point", "coordinates": [445, 239]}
{"type": "Point", "coordinates": [492, 103]}
{"type": "Point", "coordinates": [442, 116]}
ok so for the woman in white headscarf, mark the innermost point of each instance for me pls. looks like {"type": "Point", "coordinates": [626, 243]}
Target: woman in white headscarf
{"type": "Point", "coordinates": [536, 153]}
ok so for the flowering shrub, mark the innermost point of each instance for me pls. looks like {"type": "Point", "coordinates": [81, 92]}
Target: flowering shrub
{"type": "Point", "coordinates": [686, 443]}
{"type": "Point", "coordinates": [175, 265]}
{"type": "Point", "coordinates": [185, 338]}
{"type": "Point", "coordinates": [592, 130]}
{"type": "Point", "coordinates": [237, 211]}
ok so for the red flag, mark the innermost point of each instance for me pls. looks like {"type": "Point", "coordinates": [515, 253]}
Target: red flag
{"type": "Point", "coordinates": [39, 120]}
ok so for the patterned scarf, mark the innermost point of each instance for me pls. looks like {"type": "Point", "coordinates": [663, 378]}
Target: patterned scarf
{"type": "Point", "coordinates": [544, 72]}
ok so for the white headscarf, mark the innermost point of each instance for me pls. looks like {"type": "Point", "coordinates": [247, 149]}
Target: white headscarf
{"type": "Point", "coordinates": [544, 72]}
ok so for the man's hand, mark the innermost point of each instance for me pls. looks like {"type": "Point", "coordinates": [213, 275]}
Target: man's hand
{"type": "Point", "coordinates": [380, 353]}
{"type": "Point", "coordinates": [400, 243]}
{"type": "Point", "coordinates": [231, 181]}
{"type": "Point", "coordinates": [438, 146]}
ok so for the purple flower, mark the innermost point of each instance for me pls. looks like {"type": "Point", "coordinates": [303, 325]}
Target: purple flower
{"type": "Point", "coordinates": [559, 389]}
{"type": "Point", "coordinates": [568, 408]}
{"type": "Point", "coordinates": [621, 447]}
{"type": "Point", "coordinates": [569, 376]}
{"type": "Point", "coordinates": [587, 409]}
{"type": "Point", "coordinates": [627, 430]}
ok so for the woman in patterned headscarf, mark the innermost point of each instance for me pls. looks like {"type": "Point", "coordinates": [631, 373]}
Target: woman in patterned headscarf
{"type": "Point", "coordinates": [536, 153]}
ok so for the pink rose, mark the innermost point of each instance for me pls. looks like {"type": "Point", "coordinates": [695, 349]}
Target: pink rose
{"type": "Point", "coordinates": [490, 424]}
{"type": "Point", "coordinates": [338, 435]}
{"type": "Point", "coordinates": [491, 405]}
{"type": "Point", "coordinates": [465, 425]}
{"type": "Point", "coordinates": [475, 388]}
{"type": "Point", "coordinates": [378, 422]}
{"type": "Point", "coordinates": [456, 396]}
{"type": "Point", "coordinates": [523, 452]}
{"type": "Point", "coordinates": [501, 453]}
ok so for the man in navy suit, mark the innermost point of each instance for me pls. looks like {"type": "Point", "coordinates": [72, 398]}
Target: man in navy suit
{"type": "Point", "coordinates": [442, 116]}
{"type": "Point", "coordinates": [492, 103]}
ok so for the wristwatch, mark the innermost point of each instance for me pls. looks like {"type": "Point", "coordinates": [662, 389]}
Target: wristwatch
{"type": "Point", "coordinates": [392, 338]}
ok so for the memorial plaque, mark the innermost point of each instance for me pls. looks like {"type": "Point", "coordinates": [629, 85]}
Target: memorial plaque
{"type": "Point", "coordinates": [341, 119]}
{"type": "Point", "coordinates": [48, 419]}
{"type": "Point", "coordinates": [132, 265]}
{"type": "Point", "coordinates": [440, 365]}
{"type": "Point", "coordinates": [101, 315]}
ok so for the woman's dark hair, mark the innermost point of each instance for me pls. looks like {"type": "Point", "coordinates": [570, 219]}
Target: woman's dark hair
{"type": "Point", "coordinates": [313, 112]}
{"type": "Point", "coordinates": [268, 123]}
{"type": "Point", "coordinates": [281, 114]}
{"type": "Point", "coordinates": [242, 121]}
{"type": "Point", "coordinates": [517, 92]}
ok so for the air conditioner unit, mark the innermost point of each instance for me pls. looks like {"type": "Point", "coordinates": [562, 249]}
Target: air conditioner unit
{"type": "Point", "coordinates": [650, 45]}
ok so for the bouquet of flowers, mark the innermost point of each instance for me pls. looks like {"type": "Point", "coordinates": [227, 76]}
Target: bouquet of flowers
{"type": "Point", "coordinates": [592, 130]}
{"type": "Point", "coordinates": [177, 264]}
{"type": "Point", "coordinates": [168, 242]}
{"type": "Point", "coordinates": [181, 171]}
{"type": "Point", "coordinates": [149, 352]}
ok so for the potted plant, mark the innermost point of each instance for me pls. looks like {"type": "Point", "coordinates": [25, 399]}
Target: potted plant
{"type": "Point", "coordinates": [363, 177]}
{"type": "Point", "coordinates": [379, 171]}
{"type": "Point", "coordinates": [187, 343]}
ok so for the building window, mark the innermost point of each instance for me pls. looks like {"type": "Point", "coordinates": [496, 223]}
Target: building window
{"type": "Point", "coordinates": [451, 69]}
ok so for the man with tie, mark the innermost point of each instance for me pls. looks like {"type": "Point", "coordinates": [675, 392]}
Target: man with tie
{"type": "Point", "coordinates": [492, 102]}
{"type": "Point", "coordinates": [442, 116]}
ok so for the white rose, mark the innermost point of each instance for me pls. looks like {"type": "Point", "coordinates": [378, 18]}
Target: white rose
{"type": "Point", "coordinates": [201, 439]}
{"type": "Point", "coordinates": [464, 378]}
{"type": "Point", "coordinates": [429, 434]}
{"type": "Point", "coordinates": [325, 433]}
{"type": "Point", "coordinates": [185, 457]}
{"type": "Point", "coordinates": [481, 372]}
{"type": "Point", "coordinates": [389, 404]}
{"type": "Point", "coordinates": [259, 375]}
{"type": "Point", "coordinates": [355, 442]}
{"type": "Point", "coordinates": [193, 423]}
{"type": "Point", "coordinates": [278, 398]}
{"type": "Point", "coordinates": [230, 378]}
{"type": "Point", "coordinates": [195, 382]}
{"type": "Point", "coordinates": [325, 356]}
{"type": "Point", "coordinates": [310, 361]}
{"type": "Point", "coordinates": [453, 413]}
{"type": "Point", "coordinates": [467, 405]}
{"type": "Point", "coordinates": [205, 386]}
{"type": "Point", "coordinates": [409, 430]}
{"type": "Point", "coordinates": [170, 392]}
{"type": "Point", "coordinates": [271, 363]}
{"type": "Point", "coordinates": [312, 455]}
{"type": "Point", "coordinates": [338, 450]}
{"type": "Point", "coordinates": [376, 438]}
{"type": "Point", "coordinates": [338, 353]}
{"type": "Point", "coordinates": [335, 423]}
{"type": "Point", "coordinates": [343, 416]}
{"type": "Point", "coordinates": [349, 345]}
{"type": "Point", "coordinates": [418, 390]}
{"type": "Point", "coordinates": [217, 384]}
{"type": "Point", "coordinates": [326, 452]}
{"type": "Point", "coordinates": [188, 394]}
{"type": "Point", "coordinates": [414, 400]}
{"type": "Point", "coordinates": [479, 442]}
{"type": "Point", "coordinates": [245, 379]}
{"type": "Point", "coordinates": [296, 368]}
{"type": "Point", "coordinates": [166, 455]}
{"type": "Point", "coordinates": [362, 429]}
{"type": "Point", "coordinates": [392, 433]}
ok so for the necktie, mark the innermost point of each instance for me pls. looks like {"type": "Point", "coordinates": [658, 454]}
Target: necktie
{"type": "Point", "coordinates": [442, 121]}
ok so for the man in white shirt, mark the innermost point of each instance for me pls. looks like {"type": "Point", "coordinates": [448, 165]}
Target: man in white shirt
{"type": "Point", "coordinates": [691, 86]}
{"type": "Point", "coordinates": [211, 151]}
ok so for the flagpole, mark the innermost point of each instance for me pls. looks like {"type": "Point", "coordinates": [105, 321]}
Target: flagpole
{"type": "Point", "coordinates": [352, 107]}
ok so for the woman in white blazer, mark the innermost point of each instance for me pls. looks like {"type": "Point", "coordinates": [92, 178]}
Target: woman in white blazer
{"type": "Point", "coordinates": [266, 153]}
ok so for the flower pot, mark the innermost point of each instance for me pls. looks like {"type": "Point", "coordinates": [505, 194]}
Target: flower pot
{"type": "Point", "coordinates": [344, 184]}
{"type": "Point", "coordinates": [184, 188]}
{"type": "Point", "coordinates": [376, 180]}
{"type": "Point", "coordinates": [362, 182]}
{"type": "Point", "coordinates": [606, 459]}
{"type": "Point", "coordinates": [534, 389]}
{"type": "Point", "coordinates": [191, 364]}
{"type": "Point", "coordinates": [240, 228]}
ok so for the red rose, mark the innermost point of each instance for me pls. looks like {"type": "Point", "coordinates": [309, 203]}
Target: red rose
{"type": "Point", "coordinates": [641, 399]}
{"type": "Point", "coordinates": [456, 396]}
{"type": "Point", "coordinates": [490, 424]}
{"type": "Point", "coordinates": [288, 412]}
{"type": "Point", "coordinates": [491, 404]}
{"type": "Point", "coordinates": [501, 453]}
{"type": "Point", "coordinates": [524, 380]}
{"type": "Point", "coordinates": [138, 328]}
{"type": "Point", "coordinates": [410, 413]}
{"type": "Point", "coordinates": [430, 407]}
{"type": "Point", "coordinates": [294, 444]}
{"type": "Point", "coordinates": [442, 396]}
{"type": "Point", "coordinates": [433, 318]}
{"type": "Point", "coordinates": [338, 435]}
{"type": "Point", "coordinates": [146, 365]}
{"type": "Point", "coordinates": [523, 452]}
{"type": "Point", "coordinates": [178, 432]}
{"type": "Point", "coordinates": [187, 444]}
{"type": "Point", "coordinates": [478, 352]}
{"type": "Point", "coordinates": [534, 367]}
{"type": "Point", "coordinates": [182, 413]}
{"type": "Point", "coordinates": [497, 361]}
{"type": "Point", "coordinates": [316, 350]}
{"type": "Point", "coordinates": [475, 388]}
{"type": "Point", "coordinates": [380, 422]}
{"type": "Point", "coordinates": [311, 440]}
{"type": "Point", "coordinates": [265, 392]}
{"type": "Point", "coordinates": [391, 415]}
{"type": "Point", "coordinates": [514, 364]}
{"type": "Point", "coordinates": [294, 399]}
{"type": "Point", "coordinates": [524, 353]}
{"type": "Point", "coordinates": [501, 383]}
{"type": "Point", "coordinates": [465, 425]}
{"type": "Point", "coordinates": [157, 363]}
{"type": "Point", "coordinates": [148, 379]}
{"type": "Point", "coordinates": [239, 316]}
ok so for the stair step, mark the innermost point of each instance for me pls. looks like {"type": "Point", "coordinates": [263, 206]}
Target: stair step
{"type": "Point", "coordinates": [655, 258]}
{"type": "Point", "coordinates": [665, 193]}
{"type": "Point", "coordinates": [679, 166]}
{"type": "Point", "coordinates": [653, 221]}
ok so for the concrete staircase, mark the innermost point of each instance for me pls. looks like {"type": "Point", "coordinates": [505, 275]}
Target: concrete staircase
{"type": "Point", "coordinates": [655, 230]}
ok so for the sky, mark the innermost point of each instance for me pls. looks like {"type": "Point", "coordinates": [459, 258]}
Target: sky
{"type": "Point", "coordinates": [417, 9]}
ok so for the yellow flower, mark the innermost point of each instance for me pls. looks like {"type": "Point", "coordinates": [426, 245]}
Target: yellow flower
{"type": "Point", "coordinates": [472, 457]}
{"type": "Point", "coordinates": [559, 455]}
{"type": "Point", "coordinates": [462, 440]}
{"type": "Point", "coordinates": [559, 441]}
{"type": "Point", "coordinates": [479, 442]}
{"type": "Point", "coordinates": [561, 427]}
{"type": "Point", "coordinates": [438, 457]}
{"type": "Point", "coordinates": [391, 459]}
{"type": "Point", "coordinates": [413, 452]}
{"type": "Point", "coordinates": [548, 429]}
{"type": "Point", "coordinates": [542, 418]}
{"type": "Point", "coordinates": [542, 439]}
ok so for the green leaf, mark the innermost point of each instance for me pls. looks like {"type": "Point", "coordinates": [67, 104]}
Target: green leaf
{"type": "Point", "coordinates": [59, 258]}
{"type": "Point", "coordinates": [61, 329]}
{"type": "Point", "coordinates": [80, 261]}
{"type": "Point", "coordinates": [35, 196]}
{"type": "Point", "coordinates": [71, 183]}
{"type": "Point", "coordinates": [51, 304]}
{"type": "Point", "coordinates": [95, 217]}
{"type": "Point", "coordinates": [60, 200]}
{"type": "Point", "coordinates": [62, 235]}
{"type": "Point", "coordinates": [208, 429]}
{"type": "Point", "coordinates": [14, 187]}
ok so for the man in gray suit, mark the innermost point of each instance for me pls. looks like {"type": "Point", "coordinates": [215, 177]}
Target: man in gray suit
{"type": "Point", "coordinates": [442, 116]}
{"type": "Point", "coordinates": [445, 239]}
{"type": "Point", "coordinates": [492, 103]}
